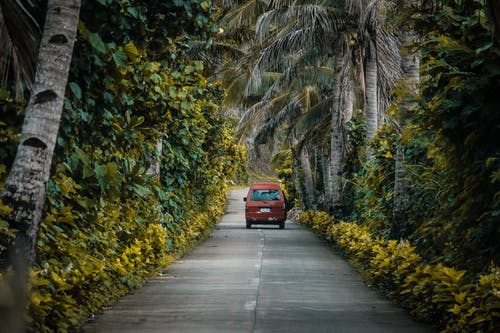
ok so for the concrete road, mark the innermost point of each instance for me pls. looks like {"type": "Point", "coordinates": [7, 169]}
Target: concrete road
{"type": "Point", "coordinates": [258, 280]}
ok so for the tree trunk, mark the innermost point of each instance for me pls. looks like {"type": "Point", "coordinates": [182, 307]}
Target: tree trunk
{"type": "Point", "coordinates": [305, 179]}
{"type": "Point", "coordinates": [371, 111]}
{"type": "Point", "coordinates": [327, 178]}
{"type": "Point", "coordinates": [493, 12]}
{"type": "Point", "coordinates": [305, 164]}
{"type": "Point", "coordinates": [348, 104]}
{"type": "Point", "coordinates": [410, 63]}
{"type": "Point", "coordinates": [298, 179]}
{"type": "Point", "coordinates": [25, 187]}
{"type": "Point", "coordinates": [399, 209]}
{"type": "Point", "coordinates": [337, 147]}
{"type": "Point", "coordinates": [155, 167]}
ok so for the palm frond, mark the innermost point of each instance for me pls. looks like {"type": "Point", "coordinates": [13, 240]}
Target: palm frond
{"type": "Point", "coordinates": [387, 45]}
{"type": "Point", "coordinates": [301, 28]}
{"type": "Point", "coordinates": [278, 54]}
{"type": "Point", "coordinates": [259, 111]}
{"type": "Point", "coordinates": [287, 114]}
{"type": "Point", "coordinates": [20, 34]}
{"type": "Point", "coordinates": [243, 15]}
{"type": "Point", "coordinates": [214, 56]}
{"type": "Point", "coordinates": [317, 117]}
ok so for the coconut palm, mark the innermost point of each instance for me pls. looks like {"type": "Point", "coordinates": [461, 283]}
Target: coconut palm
{"type": "Point", "coordinates": [410, 63]}
{"type": "Point", "coordinates": [307, 33]}
{"type": "Point", "coordinates": [24, 189]}
{"type": "Point", "coordinates": [25, 186]}
{"type": "Point", "coordinates": [298, 110]}
{"type": "Point", "coordinates": [342, 32]}
{"type": "Point", "coordinates": [20, 34]}
{"type": "Point", "coordinates": [382, 64]}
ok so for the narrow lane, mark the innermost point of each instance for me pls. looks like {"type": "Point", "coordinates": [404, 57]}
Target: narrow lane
{"type": "Point", "coordinates": [257, 280]}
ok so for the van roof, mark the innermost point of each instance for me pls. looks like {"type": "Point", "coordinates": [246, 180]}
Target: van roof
{"type": "Point", "coordinates": [265, 185]}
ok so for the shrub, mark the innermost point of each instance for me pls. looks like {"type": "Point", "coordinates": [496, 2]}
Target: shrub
{"type": "Point", "coordinates": [434, 293]}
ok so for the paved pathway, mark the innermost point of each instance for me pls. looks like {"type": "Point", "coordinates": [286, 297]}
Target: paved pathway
{"type": "Point", "coordinates": [257, 280]}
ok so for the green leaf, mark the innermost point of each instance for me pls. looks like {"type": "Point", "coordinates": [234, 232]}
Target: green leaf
{"type": "Point", "coordinates": [75, 89]}
{"type": "Point", "coordinates": [105, 2]}
{"type": "Point", "coordinates": [484, 47]}
{"type": "Point", "coordinates": [133, 11]}
{"type": "Point", "coordinates": [120, 58]}
{"type": "Point", "coordinates": [153, 66]}
{"type": "Point", "coordinates": [205, 5]}
{"type": "Point", "coordinates": [4, 224]}
{"type": "Point", "coordinates": [190, 69]}
{"type": "Point", "coordinates": [4, 94]}
{"type": "Point", "coordinates": [97, 43]}
{"type": "Point", "coordinates": [100, 171]}
{"type": "Point", "coordinates": [112, 171]}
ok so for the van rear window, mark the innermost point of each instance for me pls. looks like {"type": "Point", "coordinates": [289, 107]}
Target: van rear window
{"type": "Point", "coordinates": [265, 195]}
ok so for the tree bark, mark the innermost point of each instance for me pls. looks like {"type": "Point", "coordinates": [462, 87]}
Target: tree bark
{"type": "Point", "coordinates": [337, 147]}
{"type": "Point", "coordinates": [25, 186]}
{"type": "Point", "coordinates": [298, 179]}
{"type": "Point", "coordinates": [327, 178]}
{"type": "Point", "coordinates": [493, 12]}
{"type": "Point", "coordinates": [305, 163]}
{"type": "Point", "coordinates": [371, 113]}
{"type": "Point", "coordinates": [155, 167]}
{"type": "Point", "coordinates": [304, 179]}
{"type": "Point", "coordinates": [399, 208]}
{"type": "Point", "coordinates": [410, 62]}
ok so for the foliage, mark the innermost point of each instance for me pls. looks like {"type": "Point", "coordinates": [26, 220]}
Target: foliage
{"type": "Point", "coordinates": [435, 293]}
{"type": "Point", "coordinates": [449, 136]}
{"type": "Point", "coordinates": [110, 222]}
{"type": "Point", "coordinates": [10, 126]}
{"type": "Point", "coordinates": [285, 175]}
{"type": "Point", "coordinates": [374, 183]}
{"type": "Point", "coordinates": [461, 71]}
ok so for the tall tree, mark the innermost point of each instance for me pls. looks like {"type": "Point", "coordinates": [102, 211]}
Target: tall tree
{"type": "Point", "coordinates": [410, 64]}
{"type": "Point", "coordinates": [382, 64]}
{"type": "Point", "coordinates": [25, 187]}
{"type": "Point", "coordinates": [295, 39]}
{"type": "Point", "coordinates": [20, 34]}
{"type": "Point", "coordinates": [337, 143]}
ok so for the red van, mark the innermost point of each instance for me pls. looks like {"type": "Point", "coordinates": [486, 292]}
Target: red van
{"type": "Point", "coordinates": [265, 204]}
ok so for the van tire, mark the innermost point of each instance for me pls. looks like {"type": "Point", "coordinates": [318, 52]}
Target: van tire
{"type": "Point", "coordinates": [282, 225]}
{"type": "Point", "coordinates": [249, 225]}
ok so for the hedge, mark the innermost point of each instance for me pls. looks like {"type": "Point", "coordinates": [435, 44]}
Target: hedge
{"type": "Point", "coordinates": [435, 293]}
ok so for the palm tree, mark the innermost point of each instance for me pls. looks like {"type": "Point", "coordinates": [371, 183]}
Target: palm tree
{"type": "Point", "coordinates": [382, 65]}
{"type": "Point", "coordinates": [20, 34]}
{"type": "Point", "coordinates": [303, 41]}
{"type": "Point", "coordinates": [410, 63]}
{"type": "Point", "coordinates": [493, 11]}
{"type": "Point", "coordinates": [338, 119]}
{"type": "Point", "coordinates": [304, 34]}
{"type": "Point", "coordinates": [25, 188]}
{"type": "Point", "coordinates": [298, 108]}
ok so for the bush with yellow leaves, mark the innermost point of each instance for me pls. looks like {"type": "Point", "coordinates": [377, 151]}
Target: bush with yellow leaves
{"type": "Point", "coordinates": [441, 295]}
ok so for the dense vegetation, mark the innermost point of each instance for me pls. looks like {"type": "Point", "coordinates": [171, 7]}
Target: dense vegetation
{"type": "Point", "coordinates": [424, 169]}
{"type": "Point", "coordinates": [432, 292]}
{"type": "Point", "coordinates": [452, 153]}
{"type": "Point", "coordinates": [440, 114]}
{"type": "Point", "coordinates": [133, 100]}
{"type": "Point", "coordinates": [381, 113]}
